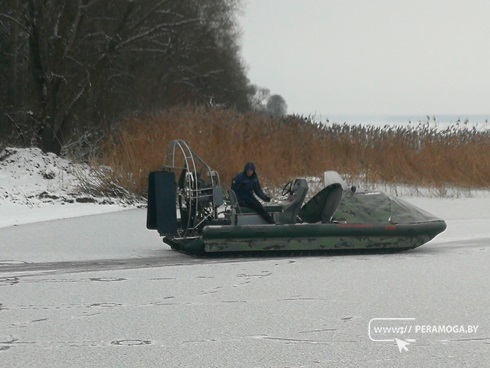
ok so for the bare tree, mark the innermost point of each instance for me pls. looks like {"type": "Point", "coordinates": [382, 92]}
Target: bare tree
{"type": "Point", "coordinates": [73, 66]}
{"type": "Point", "coordinates": [258, 98]}
{"type": "Point", "coordinates": [12, 39]}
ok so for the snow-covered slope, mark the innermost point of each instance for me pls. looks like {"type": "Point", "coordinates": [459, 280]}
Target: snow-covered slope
{"type": "Point", "coordinates": [30, 176]}
{"type": "Point", "coordinates": [38, 186]}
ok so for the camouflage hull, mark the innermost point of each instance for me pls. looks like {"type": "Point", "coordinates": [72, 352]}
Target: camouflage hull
{"type": "Point", "coordinates": [310, 237]}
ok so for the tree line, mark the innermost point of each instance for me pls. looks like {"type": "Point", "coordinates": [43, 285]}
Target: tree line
{"type": "Point", "coordinates": [74, 68]}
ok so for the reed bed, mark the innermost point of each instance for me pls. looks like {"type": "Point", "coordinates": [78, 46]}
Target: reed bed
{"type": "Point", "coordinates": [284, 148]}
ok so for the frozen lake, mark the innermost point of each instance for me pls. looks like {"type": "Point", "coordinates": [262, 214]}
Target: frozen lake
{"type": "Point", "coordinates": [102, 291]}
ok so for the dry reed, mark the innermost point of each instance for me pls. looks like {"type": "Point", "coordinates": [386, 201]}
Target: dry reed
{"type": "Point", "coordinates": [284, 148]}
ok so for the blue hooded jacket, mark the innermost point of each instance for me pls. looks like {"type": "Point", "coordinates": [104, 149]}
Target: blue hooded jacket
{"type": "Point", "coordinates": [244, 186]}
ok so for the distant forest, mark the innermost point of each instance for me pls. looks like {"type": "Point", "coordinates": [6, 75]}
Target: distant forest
{"type": "Point", "coordinates": [72, 70]}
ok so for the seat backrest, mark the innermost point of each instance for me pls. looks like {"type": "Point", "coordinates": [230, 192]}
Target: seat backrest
{"type": "Point", "coordinates": [290, 211]}
{"type": "Point", "coordinates": [234, 201]}
{"type": "Point", "coordinates": [332, 202]}
{"type": "Point", "coordinates": [218, 199]}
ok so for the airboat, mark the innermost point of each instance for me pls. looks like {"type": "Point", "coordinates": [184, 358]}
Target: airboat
{"type": "Point", "coordinates": [194, 214]}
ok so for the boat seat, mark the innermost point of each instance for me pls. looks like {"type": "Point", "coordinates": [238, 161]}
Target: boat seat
{"type": "Point", "coordinates": [234, 201]}
{"type": "Point", "coordinates": [218, 197]}
{"type": "Point", "coordinates": [243, 215]}
{"type": "Point", "coordinates": [236, 206]}
{"type": "Point", "coordinates": [331, 203]}
{"type": "Point", "coordinates": [290, 211]}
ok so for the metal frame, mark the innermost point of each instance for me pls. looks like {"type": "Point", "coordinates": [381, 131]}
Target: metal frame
{"type": "Point", "coordinates": [195, 187]}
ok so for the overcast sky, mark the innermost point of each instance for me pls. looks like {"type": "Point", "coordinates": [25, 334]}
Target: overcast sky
{"type": "Point", "coordinates": [376, 57]}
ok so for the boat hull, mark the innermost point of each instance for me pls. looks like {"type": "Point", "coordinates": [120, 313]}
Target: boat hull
{"type": "Point", "coordinates": [187, 206]}
{"type": "Point", "coordinates": [310, 237]}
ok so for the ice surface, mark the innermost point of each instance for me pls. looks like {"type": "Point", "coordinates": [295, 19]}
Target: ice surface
{"type": "Point", "coordinates": [102, 291]}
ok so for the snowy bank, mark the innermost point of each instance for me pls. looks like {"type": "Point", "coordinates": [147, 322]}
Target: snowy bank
{"type": "Point", "coordinates": [37, 186]}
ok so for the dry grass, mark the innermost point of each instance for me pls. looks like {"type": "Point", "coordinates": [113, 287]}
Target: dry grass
{"type": "Point", "coordinates": [289, 147]}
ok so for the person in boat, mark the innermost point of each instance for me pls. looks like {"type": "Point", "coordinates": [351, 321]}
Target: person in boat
{"type": "Point", "coordinates": [245, 185]}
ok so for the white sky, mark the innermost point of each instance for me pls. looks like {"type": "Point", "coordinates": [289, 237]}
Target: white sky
{"type": "Point", "coordinates": [355, 57]}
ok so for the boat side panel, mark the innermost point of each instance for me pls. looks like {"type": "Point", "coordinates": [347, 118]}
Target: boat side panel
{"type": "Point", "coordinates": [318, 237]}
{"type": "Point", "coordinates": [306, 244]}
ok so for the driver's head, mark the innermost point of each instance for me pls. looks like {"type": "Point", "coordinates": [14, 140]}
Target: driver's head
{"type": "Point", "coordinates": [249, 169]}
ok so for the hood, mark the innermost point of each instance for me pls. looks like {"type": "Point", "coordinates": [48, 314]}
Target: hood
{"type": "Point", "coordinates": [248, 166]}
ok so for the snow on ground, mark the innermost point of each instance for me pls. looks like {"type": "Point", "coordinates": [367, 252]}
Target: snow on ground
{"type": "Point", "coordinates": [103, 291]}
{"type": "Point", "coordinates": [37, 186]}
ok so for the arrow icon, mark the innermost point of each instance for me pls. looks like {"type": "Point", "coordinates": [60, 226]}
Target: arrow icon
{"type": "Point", "coordinates": [402, 345]}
